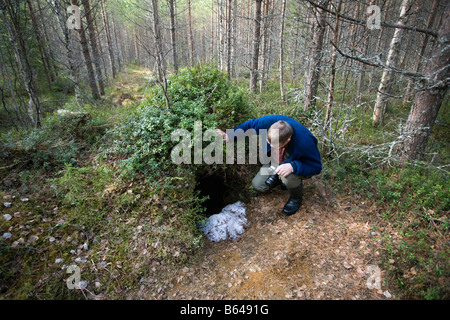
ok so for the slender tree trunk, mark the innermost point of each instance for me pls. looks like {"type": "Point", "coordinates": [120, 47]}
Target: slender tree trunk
{"type": "Point", "coordinates": [11, 22]}
{"type": "Point", "coordinates": [374, 72]}
{"type": "Point", "coordinates": [312, 81]}
{"type": "Point", "coordinates": [19, 113]}
{"type": "Point", "coordinates": [44, 56]}
{"type": "Point", "coordinates": [283, 12]}
{"type": "Point", "coordinates": [173, 37]}
{"type": "Point", "coordinates": [220, 33]}
{"type": "Point", "coordinates": [229, 39]}
{"type": "Point", "coordinates": [256, 42]}
{"type": "Point", "coordinates": [234, 40]}
{"type": "Point", "coordinates": [87, 58]}
{"type": "Point", "coordinates": [428, 101]}
{"type": "Point", "coordinates": [212, 32]}
{"type": "Point", "coordinates": [266, 21]}
{"type": "Point", "coordinates": [108, 40]}
{"type": "Point", "coordinates": [118, 54]}
{"type": "Point", "coordinates": [61, 16]}
{"type": "Point", "coordinates": [94, 46]}
{"type": "Point", "coordinates": [423, 47]}
{"type": "Point", "coordinates": [159, 54]}
{"type": "Point", "coordinates": [191, 35]}
{"type": "Point", "coordinates": [332, 79]}
{"type": "Point", "coordinates": [49, 51]}
{"type": "Point", "coordinates": [384, 88]}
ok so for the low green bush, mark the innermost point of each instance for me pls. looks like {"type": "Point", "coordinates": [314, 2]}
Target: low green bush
{"type": "Point", "coordinates": [199, 94]}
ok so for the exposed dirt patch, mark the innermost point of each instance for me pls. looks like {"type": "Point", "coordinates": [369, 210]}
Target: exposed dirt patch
{"type": "Point", "coordinates": [321, 252]}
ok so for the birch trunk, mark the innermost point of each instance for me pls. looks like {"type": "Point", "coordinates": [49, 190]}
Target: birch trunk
{"type": "Point", "coordinates": [384, 89]}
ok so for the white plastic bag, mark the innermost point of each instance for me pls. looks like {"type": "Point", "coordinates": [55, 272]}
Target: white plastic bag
{"type": "Point", "coordinates": [229, 223]}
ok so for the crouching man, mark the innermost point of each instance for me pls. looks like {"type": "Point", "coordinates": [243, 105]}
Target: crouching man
{"type": "Point", "coordinates": [293, 149]}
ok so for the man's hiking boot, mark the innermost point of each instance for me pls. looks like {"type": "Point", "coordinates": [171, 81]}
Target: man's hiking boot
{"type": "Point", "coordinates": [294, 202]}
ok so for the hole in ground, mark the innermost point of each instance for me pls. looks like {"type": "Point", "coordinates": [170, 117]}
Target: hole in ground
{"type": "Point", "coordinates": [222, 188]}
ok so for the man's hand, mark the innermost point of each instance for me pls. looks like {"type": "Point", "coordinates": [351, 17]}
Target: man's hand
{"type": "Point", "coordinates": [224, 135]}
{"type": "Point", "coordinates": [285, 169]}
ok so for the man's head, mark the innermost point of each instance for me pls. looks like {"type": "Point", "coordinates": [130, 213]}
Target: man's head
{"type": "Point", "coordinates": [279, 134]}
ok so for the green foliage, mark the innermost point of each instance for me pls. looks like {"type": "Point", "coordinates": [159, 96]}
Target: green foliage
{"type": "Point", "coordinates": [81, 188]}
{"type": "Point", "coordinates": [198, 94]}
{"type": "Point", "coordinates": [59, 141]}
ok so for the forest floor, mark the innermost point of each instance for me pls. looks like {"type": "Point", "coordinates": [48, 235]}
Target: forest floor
{"type": "Point", "coordinates": [334, 247]}
{"type": "Point", "coordinates": [323, 251]}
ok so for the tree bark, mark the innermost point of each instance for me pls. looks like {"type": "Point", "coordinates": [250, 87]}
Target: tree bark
{"type": "Point", "coordinates": [229, 39]}
{"type": "Point", "coordinates": [384, 89]}
{"type": "Point", "coordinates": [428, 101]}
{"type": "Point", "coordinates": [332, 79]}
{"type": "Point", "coordinates": [283, 13]}
{"type": "Point", "coordinates": [312, 81]}
{"type": "Point", "coordinates": [87, 57]}
{"type": "Point", "coordinates": [47, 41]}
{"type": "Point", "coordinates": [191, 35]}
{"type": "Point", "coordinates": [94, 46]}
{"type": "Point", "coordinates": [11, 22]}
{"type": "Point", "coordinates": [173, 38]}
{"type": "Point", "coordinates": [423, 47]}
{"type": "Point", "coordinates": [159, 54]}
{"type": "Point", "coordinates": [61, 16]}
{"type": "Point", "coordinates": [108, 39]}
{"type": "Point", "coordinates": [44, 56]}
{"type": "Point", "coordinates": [255, 50]}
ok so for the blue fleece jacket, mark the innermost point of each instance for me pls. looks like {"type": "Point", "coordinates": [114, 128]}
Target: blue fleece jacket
{"type": "Point", "coordinates": [304, 156]}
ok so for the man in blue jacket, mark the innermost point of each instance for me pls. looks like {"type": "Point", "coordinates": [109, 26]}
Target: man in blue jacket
{"type": "Point", "coordinates": [294, 148]}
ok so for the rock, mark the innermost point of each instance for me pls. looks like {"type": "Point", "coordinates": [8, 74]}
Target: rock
{"type": "Point", "coordinates": [7, 217]}
{"type": "Point", "coordinates": [347, 265]}
{"type": "Point", "coordinates": [7, 235]}
{"type": "Point", "coordinates": [33, 239]}
{"type": "Point", "coordinates": [7, 204]}
{"type": "Point", "coordinates": [82, 284]}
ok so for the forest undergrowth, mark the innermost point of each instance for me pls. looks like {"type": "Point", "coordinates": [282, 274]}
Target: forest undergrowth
{"type": "Point", "coordinates": [95, 188]}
